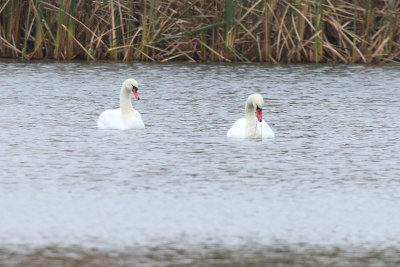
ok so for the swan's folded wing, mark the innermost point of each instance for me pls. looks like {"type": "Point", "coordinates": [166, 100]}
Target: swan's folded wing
{"type": "Point", "coordinates": [238, 130]}
{"type": "Point", "coordinates": [110, 119]}
{"type": "Point", "coordinates": [135, 121]}
{"type": "Point", "coordinates": [266, 131]}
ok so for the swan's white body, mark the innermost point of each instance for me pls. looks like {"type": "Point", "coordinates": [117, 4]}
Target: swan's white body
{"type": "Point", "coordinates": [250, 126]}
{"type": "Point", "coordinates": [241, 130]}
{"type": "Point", "coordinates": [125, 117]}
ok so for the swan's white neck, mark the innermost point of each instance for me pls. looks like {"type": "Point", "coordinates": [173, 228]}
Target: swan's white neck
{"type": "Point", "coordinates": [125, 101]}
{"type": "Point", "coordinates": [251, 124]}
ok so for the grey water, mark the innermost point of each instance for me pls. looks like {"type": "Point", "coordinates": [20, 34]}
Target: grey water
{"type": "Point", "coordinates": [325, 191]}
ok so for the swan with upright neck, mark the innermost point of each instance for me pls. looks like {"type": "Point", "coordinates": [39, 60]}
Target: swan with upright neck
{"type": "Point", "coordinates": [125, 117]}
{"type": "Point", "coordinates": [250, 126]}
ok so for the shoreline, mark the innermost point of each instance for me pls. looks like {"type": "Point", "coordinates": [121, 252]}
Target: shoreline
{"type": "Point", "coordinates": [181, 62]}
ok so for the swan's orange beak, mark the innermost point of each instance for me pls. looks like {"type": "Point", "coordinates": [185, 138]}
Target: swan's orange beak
{"type": "Point", "coordinates": [135, 93]}
{"type": "Point", "coordinates": [259, 114]}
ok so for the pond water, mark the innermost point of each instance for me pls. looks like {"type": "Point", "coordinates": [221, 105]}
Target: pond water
{"type": "Point", "coordinates": [326, 190]}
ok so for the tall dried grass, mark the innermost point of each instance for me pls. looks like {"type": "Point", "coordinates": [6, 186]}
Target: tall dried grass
{"type": "Point", "coordinates": [340, 31]}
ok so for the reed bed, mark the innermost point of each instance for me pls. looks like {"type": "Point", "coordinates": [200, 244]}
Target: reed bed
{"type": "Point", "coordinates": [351, 31]}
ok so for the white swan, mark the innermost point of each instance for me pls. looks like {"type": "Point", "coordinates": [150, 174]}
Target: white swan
{"type": "Point", "coordinates": [125, 117]}
{"type": "Point", "coordinates": [250, 127]}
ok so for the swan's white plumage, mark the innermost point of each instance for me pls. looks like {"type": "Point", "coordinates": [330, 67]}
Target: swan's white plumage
{"type": "Point", "coordinates": [113, 119]}
{"type": "Point", "coordinates": [125, 117]}
{"type": "Point", "coordinates": [250, 127]}
{"type": "Point", "coordinates": [238, 130]}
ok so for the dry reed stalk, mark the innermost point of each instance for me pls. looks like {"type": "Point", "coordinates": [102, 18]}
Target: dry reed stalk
{"type": "Point", "coordinates": [318, 9]}
{"type": "Point", "coordinates": [269, 16]}
{"type": "Point", "coordinates": [130, 46]}
{"type": "Point", "coordinates": [355, 55]}
{"type": "Point", "coordinates": [38, 39]}
{"type": "Point", "coordinates": [4, 6]}
{"type": "Point", "coordinates": [71, 31]}
{"type": "Point", "coordinates": [221, 57]}
{"type": "Point", "coordinates": [27, 31]}
{"type": "Point", "coordinates": [278, 48]}
{"type": "Point", "coordinates": [121, 21]}
{"type": "Point", "coordinates": [72, 36]}
{"type": "Point", "coordinates": [81, 23]}
{"type": "Point", "coordinates": [113, 41]}
{"type": "Point", "coordinates": [9, 45]}
{"type": "Point", "coordinates": [358, 31]}
{"type": "Point", "coordinates": [229, 20]}
{"type": "Point", "coordinates": [60, 34]}
{"type": "Point", "coordinates": [9, 13]}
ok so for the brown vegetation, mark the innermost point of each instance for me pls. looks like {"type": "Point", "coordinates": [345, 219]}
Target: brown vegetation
{"type": "Point", "coordinates": [354, 31]}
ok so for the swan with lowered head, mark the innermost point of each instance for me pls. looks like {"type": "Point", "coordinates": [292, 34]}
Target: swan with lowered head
{"type": "Point", "coordinates": [125, 117]}
{"type": "Point", "coordinates": [250, 126]}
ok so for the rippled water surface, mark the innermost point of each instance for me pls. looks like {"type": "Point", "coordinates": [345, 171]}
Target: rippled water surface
{"type": "Point", "coordinates": [326, 190]}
